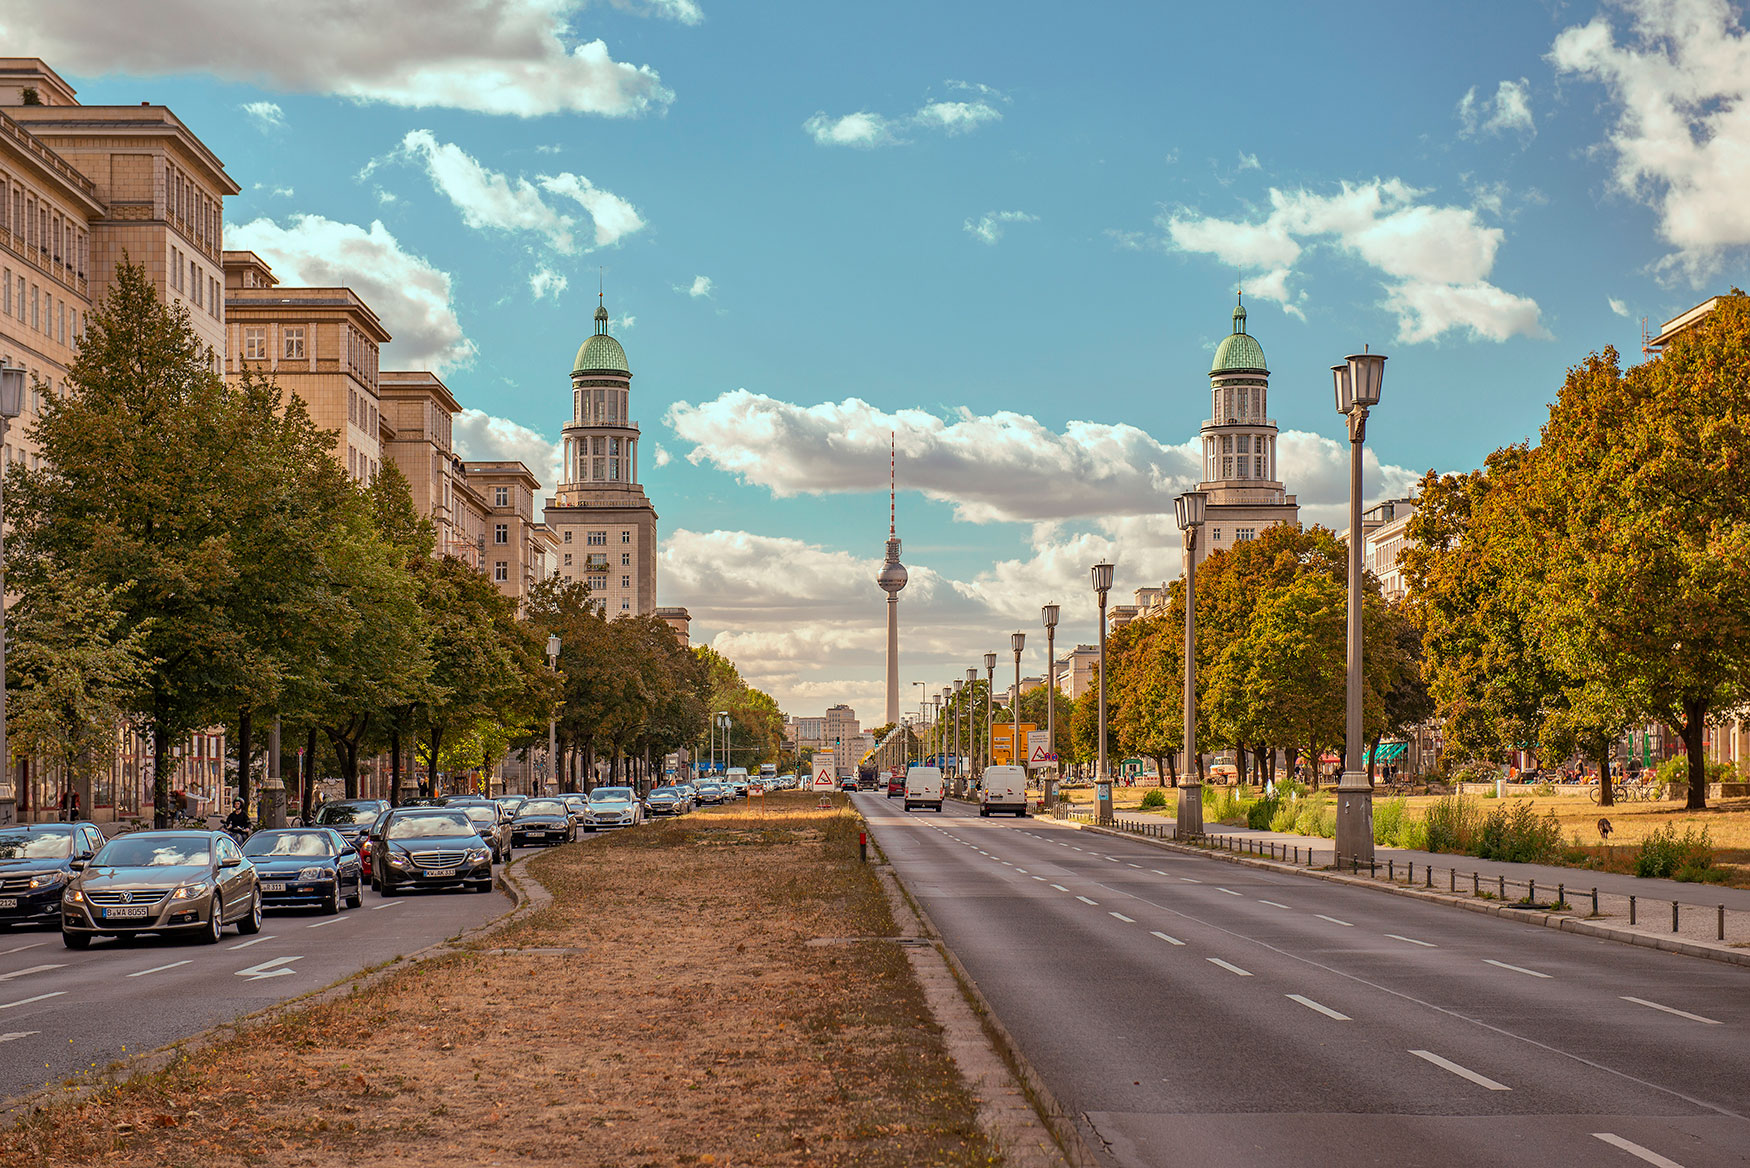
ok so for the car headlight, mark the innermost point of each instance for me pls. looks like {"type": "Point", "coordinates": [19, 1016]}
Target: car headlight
{"type": "Point", "coordinates": [313, 874]}
{"type": "Point", "coordinates": [475, 855]}
{"type": "Point", "coordinates": [399, 859]}
{"type": "Point", "coordinates": [73, 896]}
{"type": "Point", "coordinates": [192, 891]}
{"type": "Point", "coordinates": [48, 880]}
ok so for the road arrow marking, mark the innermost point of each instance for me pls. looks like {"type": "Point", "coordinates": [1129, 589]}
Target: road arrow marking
{"type": "Point", "coordinates": [32, 969]}
{"type": "Point", "coordinates": [17, 1034]}
{"type": "Point", "coordinates": [266, 968]}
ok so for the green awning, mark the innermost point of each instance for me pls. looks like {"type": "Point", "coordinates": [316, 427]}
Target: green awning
{"type": "Point", "coordinates": [1391, 751]}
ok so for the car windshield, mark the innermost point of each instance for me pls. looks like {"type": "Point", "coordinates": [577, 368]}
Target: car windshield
{"type": "Point", "coordinates": [483, 815]}
{"type": "Point", "coordinates": [156, 851]}
{"type": "Point", "coordinates": [611, 795]}
{"type": "Point", "coordinates": [429, 824]}
{"type": "Point", "coordinates": [288, 843]}
{"type": "Point", "coordinates": [666, 793]}
{"type": "Point", "coordinates": [541, 807]}
{"type": "Point", "coordinates": [345, 815]}
{"type": "Point", "coordinates": [36, 845]}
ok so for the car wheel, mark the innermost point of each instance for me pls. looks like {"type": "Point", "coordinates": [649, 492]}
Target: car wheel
{"type": "Point", "coordinates": [215, 921]}
{"type": "Point", "coordinates": [386, 886]}
{"type": "Point", "coordinates": [358, 894]}
{"type": "Point", "coordinates": [483, 886]}
{"type": "Point", "coordinates": [332, 903]}
{"type": "Point", "coordinates": [984, 812]}
{"type": "Point", "coordinates": [76, 940]}
{"type": "Point", "coordinates": [251, 923]}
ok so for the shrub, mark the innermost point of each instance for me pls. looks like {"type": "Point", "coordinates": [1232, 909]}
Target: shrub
{"type": "Point", "coordinates": [1261, 814]}
{"type": "Point", "coordinates": [1221, 804]}
{"type": "Point", "coordinates": [1544, 787]}
{"type": "Point", "coordinates": [1315, 816]}
{"type": "Point", "coordinates": [1451, 824]}
{"type": "Point", "coordinates": [1676, 770]}
{"type": "Point", "coordinates": [1665, 854]}
{"type": "Point", "coordinates": [1388, 820]}
{"type": "Point", "coordinates": [1414, 836]}
{"type": "Point", "coordinates": [1516, 833]}
{"type": "Point", "coordinates": [1155, 797]}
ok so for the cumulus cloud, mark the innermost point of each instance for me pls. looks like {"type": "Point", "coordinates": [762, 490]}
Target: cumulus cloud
{"type": "Point", "coordinates": [1679, 81]}
{"type": "Point", "coordinates": [266, 115]}
{"type": "Point", "coordinates": [989, 228]}
{"type": "Point", "coordinates": [683, 11]}
{"type": "Point", "coordinates": [1435, 259]}
{"type": "Point", "coordinates": [866, 130]}
{"type": "Point", "coordinates": [701, 286]}
{"type": "Point", "coordinates": [413, 298]}
{"type": "Point", "coordinates": [1618, 307]}
{"type": "Point", "coordinates": [512, 57]}
{"type": "Point", "coordinates": [480, 437]}
{"type": "Point", "coordinates": [488, 199]}
{"type": "Point", "coordinates": [1508, 112]}
{"type": "Point", "coordinates": [547, 282]}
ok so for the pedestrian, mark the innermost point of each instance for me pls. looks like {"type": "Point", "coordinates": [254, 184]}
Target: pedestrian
{"type": "Point", "coordinates": [75, 814]}
{"type": "Point", "coordinates": [66, 808]}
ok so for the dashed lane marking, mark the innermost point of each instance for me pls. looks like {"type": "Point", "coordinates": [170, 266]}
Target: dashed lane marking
{"type": "Point", "coordinates": [1325, 1010]}
{"type": "Point", "coordinates": [158, 969]}
{"type": "Point", "coordinates": [1157, 871]}
{"type": "Point", "coordinates": [1085, 900]}
{"type": "Point", "coordinates": [1229, 891]}
{"type": "Point", "coordinates": [1271, 903]}
{"type": "Point", "coordinates": [22, 948]}
{"type": "Point", "coordinates": [1188, 880]}
{"type": "Point", "coordinates": [247, 944]}
{"type": "Point", "coordinates": [1514, 968]}
{"type": "Point", "coordinates": [28, 1001]}
{"type": "Point", "coordinates": [32, 969]}
{"type": "Point", "coordinates": [1230, 967]}
{"type": "Point", "coordinates": [1334, 920]}
{"type": "Point", "coordinates": [1164, 937]}
{"type": "Point", "coordinates": [1672, 1010]}
{"type": "Point", "coordinates": [1413, 941]}
{"type": "Point", "coordinates": [1461, 1072]}
{"type": "Point", "coordinates": [329, 921]}
{"type": "Point", "coordinates": [1636, 1150]}
{"type": "Point", "coordinates": [1060, 888]}
{"type": "Point", "coordinates": [1122, 917]}
{"type": "Point", "coordinates": [390, 904]}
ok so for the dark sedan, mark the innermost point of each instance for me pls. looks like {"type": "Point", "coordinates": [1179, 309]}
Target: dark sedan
{"type": "Point", "coordinates": [352, 818]}
{"type": "Point", "coordinates": [36, 863]}
{"type": "Point", "coordinates": [306, 866]}
{"type": "Point", "coordinates": [667, 801]}
{"type": "Point", "coordinates": [543, 823]}
{"type": "Point", "coordinates": [428, 847]}
{"type": "Point", "coordinates": [162, 882]}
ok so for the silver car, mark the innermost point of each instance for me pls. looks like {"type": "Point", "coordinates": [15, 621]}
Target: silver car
{"type": "Point", "coordinates": [613, 807]}
{"type": "Point", "coordinates": [489, 820]}
{"type": "Point", "coordinates": [162, 882]}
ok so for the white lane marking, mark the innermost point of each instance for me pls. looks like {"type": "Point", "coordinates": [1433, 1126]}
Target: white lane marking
{"type": "Point", "coordinates": [1229, 891]}
{"type": "Point", "coordinates": [1672, 1010]}
{"type": "Point", "coordinates": [1060, 888]}
{"type": "Point", "coordinates": [329, 921]}
{"type": "Point", "coordinates": [1138, 867]}
{"type": "Point", "coordinates": [266, 968]}
{"type": "Point", "coordinates": [1116, 860]}
{"type": "Point", "coordinates": [1312, 1005]}
{"type": "Point", "coordinates": [1334, 920]}
{"type": "Point", "coordinates": [1157, 871]}
{"type": "Point", "coordinates": [157, 969]}
{"type": "Point", "coordinates": [1229, 967]}
{"type": "Point", "coordinates": [1514, 968]}
{"type": "Point", "coordinates": [1636, 1150]}
{"type": "Point", "coordinates": [391, 904]}
{"type": "Point", "coordinates": [1461, 1072]}
{"type": "Point", "coordinates": [1022, 871]}
{"type": "Point", "coordinates": [1041, 879]}
{"type": "Point", "coordinates": [32, 969]}
{"type": "Point", "coordinates": [1271, 903]}
{"type": "Point", "coordinates": [21, 949]}
{"type": "Point", "coordinates": [1167, 939]}
{"type": "Point", "coordinates": [17, 1034]}
{"type": "Point", "coordinates": [1188, 880]}
{"type": "Point", "coordinates": [1413, 941]}
{"type": "Point", "coordinates": [1122, 917]}
{"type": "Point", "coordinates": [1085, 900]}
{"type": "Point", "coordinates": [247, 944]}
{"type": "Point", "coordinates": [28, 1001]}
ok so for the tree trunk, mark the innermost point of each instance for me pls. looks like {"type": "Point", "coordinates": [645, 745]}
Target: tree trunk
{"type": "Point", "coordinates": [1694, 714]}
{"type": "Point", "coordinates": [1160, 769]}
{"type": "Point", "coordinates": [1241, 772]}
{"type": "Point", "coordinates": [309, 777]}
{"type": "Point", "coordinates": [1173, 766]}
{"type": "Point", "coordinates": [1606, 789]}
{"type": "Point", "coordinates": [1202, 775]}
{"type": "Point", "coordinates": [245, 748]}
{"type": "Point", "coordinates": [431, 770]}
{"type": "Point", "coordinates": [160, 765]}
{"type": "Point", "coordinates": [1290, 756]}
{"type": "Point", "coordinates": [395, 765]}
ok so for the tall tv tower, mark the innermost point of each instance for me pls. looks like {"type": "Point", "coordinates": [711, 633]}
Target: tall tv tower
{"type": "Point", "coordinates": [892, 578]}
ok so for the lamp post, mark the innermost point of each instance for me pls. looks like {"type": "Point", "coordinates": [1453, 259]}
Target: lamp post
{"type": "Point", "coordinates": [1189, 510]}
{"type": "Point", "coordinates": [1357, 383]}
{"type": "Point", "coordinates": [723, 720]}
{"type": "Point", "coordinates": [11, 405]}
{"type": "Point", "coordinates": [1017, 642]}
{"type": "Point", "coordinates": [971, 743]}
{"type": "Point", "coordinates": [553, 718]}
{"type": "Point", "coordinates": [990, 685]}
{"type": "Point", "coordinates": [1102, 780]}
{"type": "Point", "coordinates": [1049, 615]}
{"type": "Point", "coordinates": [958, 709]}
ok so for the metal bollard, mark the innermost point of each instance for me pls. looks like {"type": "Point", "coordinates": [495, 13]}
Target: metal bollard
{"type": "Point", "coordinates": [1532, 894]}
{"type": "Point", "coordinates": [1427, 875]}
{"type": "Point", "coordinates": [1474, 887]}
{"type": "Point", "coordinates": [1412, 871]}
{"type": "Point", "coordinates": [863, 846]}
{"type": "Point", "coordinates": [1503, 890]}
{"type": "Point", "coordinates": [1452, 880]}
{"type": "Point", "coordinates": [1631, 910]}
{"type": "Point", "coordinates": [1390, 870]}
{"type": "Point", "coordinates": [1594, 902]}
{"type": "Point", "coordinates": [1674, 916]}
{"type": "Point", "coordinates": [1722, 922]}
{"type": "Point", "coordinates": [1561, 894]}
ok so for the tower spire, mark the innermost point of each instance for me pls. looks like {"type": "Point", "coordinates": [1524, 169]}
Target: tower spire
{"type": "Point", "coordinates": [892, 481]}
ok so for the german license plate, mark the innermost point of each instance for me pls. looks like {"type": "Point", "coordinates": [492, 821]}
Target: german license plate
{"type": "Point", "coordinates": [432, 874]}
{"type": "Point", "coordinates": [535, 834]}
{"type": "Point", "coordinates": [275, 887]}
{"type": "Point", "coordinates": [9, 902]}
{"type": "Point", "coordinates": [126, 912]}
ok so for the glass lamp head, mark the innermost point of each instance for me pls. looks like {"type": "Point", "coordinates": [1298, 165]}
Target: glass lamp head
{"type": "Point", "coordinates": [553, 645]}
{"type": "Point", "coordinates": [1102, 578]}
{"type": "Point", "coordinates": [1048, 614]}
{"type": "Point", "coordinates": [1189, 508]}
{"type": "Point", "coordinates": [1345, 390]}
{"type": "Point", "coordinates": [1366, 375]}
{"type": "Point", "coordinates": [12, 390]}
{"type": "Point", "coordinates": [1017, 642]}
{"type": "Point", "coordinates": [990, 661]}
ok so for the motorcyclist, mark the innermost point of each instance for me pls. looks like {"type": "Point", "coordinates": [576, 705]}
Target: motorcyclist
{"type": "Point", "coordinates": [237, 823]}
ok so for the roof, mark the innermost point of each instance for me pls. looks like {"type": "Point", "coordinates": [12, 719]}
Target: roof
{"type": "Point", "coordinates": [1238, 351]}
{"type": "Point", "coordinates": [601, 353]}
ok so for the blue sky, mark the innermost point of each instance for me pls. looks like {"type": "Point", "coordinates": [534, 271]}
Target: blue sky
{"type": "Point", "coordinates": [1010, 231]}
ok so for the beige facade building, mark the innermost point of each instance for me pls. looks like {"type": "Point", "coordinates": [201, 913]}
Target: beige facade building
{"type": "Point", "coordinates": [603, 525]}
{"type": "Point", "coordinates": [1239, 446]}
{"type": "Point", "coordinates": [519, 548]}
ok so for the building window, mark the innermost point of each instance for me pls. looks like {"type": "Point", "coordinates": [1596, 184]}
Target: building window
{"type": "Point", "coordinates": [568, 558]}
{"type": "Point", "coordinates": [1245, 533]}
{"type": "Point", "coordinates": [625, 537]}
{"type": "Point", "coordinates": [1227, 467]}
{"type": "Point", "coordinates": [254, 344]}
{"type": "Point", "coordinates": [625, 559]}
{"type": "Point", "coordinates": [625, 606]}
{"type": "Point", "coordinates": [1215, 535]}
{"type": "Point", "coordinates": [598, 539]}
{"type": "Point", "coordinates": [598, 583]}
{"type": "Point", "coordinates": [501, 533]}
{"type": "Point", "coordinates": [567, 535]}
{"type": "Point", "coordinates": [1245, 466]}
{"type": "Point", "coordinates": [501, 572]}
{"type": "Point", "coordinates": [294, 343]}
{"type": "Point", "coordinates": [501, 496]}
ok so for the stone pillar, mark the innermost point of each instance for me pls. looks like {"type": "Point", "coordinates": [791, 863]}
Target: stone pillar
{"type": "Point", "coordinates": [273, 790]}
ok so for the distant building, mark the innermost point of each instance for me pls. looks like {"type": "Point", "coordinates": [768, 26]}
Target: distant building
{"type": "Point", "coordinates": [1082, 666]}
{"type": "Point", "coordinates": [519, 549]}
{"type": "Point", "coordinates": [1240, 473]}
{"type": "Point", "coordinates": [678, 619]}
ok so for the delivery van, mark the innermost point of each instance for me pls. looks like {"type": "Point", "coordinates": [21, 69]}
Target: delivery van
{"type": "Point", "coordinates": [923, 787]}
{"type": "Point", "coordinates": [1005, 790]}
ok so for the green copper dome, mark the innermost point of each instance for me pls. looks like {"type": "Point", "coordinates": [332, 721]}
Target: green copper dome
{"type": "Point", "coordinates": [1239, 351]}
{"type": "Point", "coordinates": [601, 353]}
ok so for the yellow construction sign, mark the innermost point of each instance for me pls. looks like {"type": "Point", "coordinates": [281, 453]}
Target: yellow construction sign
{"type": "Point", "coordinates": [1002, 741]}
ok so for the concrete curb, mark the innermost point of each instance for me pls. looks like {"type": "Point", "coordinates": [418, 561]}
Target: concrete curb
{"type": "Point", "coordinates": [1548, 920]}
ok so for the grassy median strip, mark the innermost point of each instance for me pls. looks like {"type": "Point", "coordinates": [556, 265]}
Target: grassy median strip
{"type": "Point", "coordinates": [729, 1001]}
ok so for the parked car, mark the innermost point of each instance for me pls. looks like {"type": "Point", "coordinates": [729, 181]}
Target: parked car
{"type": "Point", "coordinates": [352, 818]}
{"type": "Point", "coordinates": [429, 847]}
{"type": "Point", "coordinates": [667, 801]}
{"type": "Point", "coordinates": [542, 822]}
{"type": "Point", "coordinates": [613, 807]}
{"type": "Point", "coordinates": [36, 863]}
{"type": "Point", "coordinates": [1005, 790]}
{"type": "Point", "coordinates": [492, 826]}
{"type": "Point", "coordinates": [161, 882]}
{"type": "Point", "coordinates": [301, 866]}
{"type": "Point", "coordinates": [923, 787]}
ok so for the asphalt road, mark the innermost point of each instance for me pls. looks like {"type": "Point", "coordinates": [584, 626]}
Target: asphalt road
{"type": "Point", "coordinates": [64, 1013]}
{"type": "Point", "coordinates": [1191, 1011]}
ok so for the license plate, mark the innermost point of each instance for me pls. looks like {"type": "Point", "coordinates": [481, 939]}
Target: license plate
{"type": "Point", "coordinates": [535, 834]}
{"type": "Point", "coordinates": [273, 887]}
{"type": "Point", "coordinates": [9, 902]}
{"type": "Point", "coordinates": [433, 875]}
{"type": "Point", "coordinates": [126, 912]}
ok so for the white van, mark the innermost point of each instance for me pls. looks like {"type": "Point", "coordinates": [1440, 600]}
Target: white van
{"type": "Point", "coordinates": [1005, 789]}
{"type": "Point", "coordinates": [923, 787]}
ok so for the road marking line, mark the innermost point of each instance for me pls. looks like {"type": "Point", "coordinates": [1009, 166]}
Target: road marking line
{"type": "Point", "coordinates": [1138, 867]}
{"type": "Point", "coordinates": [157, 969]}
{"type": "Point", "coordinates": [17, 1034]}
{"type": "Point", "coordinates": [21, 949]}
{"type": "Point", "coordinates": [1271, 903]}
{"type": "Point", "coordinates": [1085, 900]}
{"type": "Point", "coordinates": [28, 1001]}
{"type": "Point", "coordinates": [32, 969]}
{"type": "Point", "coordinates": [1022, 871]}
{"type": "Point", "coordinates": [391, 904]}
{"type": "Point", "coordinates": [1157, 871]}
{"type": "Point", "coordinates": [1514, 968]}
{"type": "Point", "coordinates": [1413, 941]}
{"type": "Point", "coordinates": [1325, 1010]}
{"type": "Point", "coordinates": [1334, 920]}
{"type": "Point", "coordinates": [1116, 860]}
{"type": "Point", "coordinates": [1672, 1010]}
{"type": "Point", "coordinates": [1164, 937]}
{"type": "Point", "coordinates": [1461, 1072]}
{"type": "Point", "coordinates": [1229, 891]}
{"type": "Point", "coordinates": [1060, 888]}
{"type": "Point", "coordinates": [1121, 917]}
{"type": "Point", "coordinates": [1636, 1150]}
{"type": "Point", "coordinates": [1229, 967]}
{"type": "Point", "coordinates": [1041, 879]}
{"type": "Point", "coordinates": [247, 944]}
{"type": "Point", "coordinates": [269, 968]}
{"type": "Point", "coordinates": [1188, 880]}
{"type": "Point", "coordinates": [329, 921]}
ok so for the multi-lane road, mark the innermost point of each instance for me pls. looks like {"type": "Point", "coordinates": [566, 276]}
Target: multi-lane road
{"type": "Point", "coordinates": [1191, 1011]}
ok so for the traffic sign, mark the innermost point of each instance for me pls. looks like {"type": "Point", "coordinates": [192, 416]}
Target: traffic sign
{"type": "Point", "coordinates": [1039, 751]}
{"type": "Point", "coordinates": [824, 779]}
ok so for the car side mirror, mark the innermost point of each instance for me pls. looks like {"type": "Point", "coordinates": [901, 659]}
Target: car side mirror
{"type": "Point", "coordinates": [230, 862]}
{"type": "Point", "coordinates": [78, 864]}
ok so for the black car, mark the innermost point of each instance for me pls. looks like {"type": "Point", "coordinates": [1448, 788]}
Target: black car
{"type": "Point", "coordinates": [36, 862]}
{"type": "Point", "coordinates": [666, 801]}
{"type": "Point", "coordinates": [542, 822]}
{"type": "Point", "coordinates": [428, 847]}
{"type": "Point", "coordinates": [352, 818]}
{"type": "Point", "coordinates": [300, 866]}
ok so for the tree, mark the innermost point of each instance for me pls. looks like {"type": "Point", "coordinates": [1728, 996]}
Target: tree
{"type": "Point", "coordinates": [1144, 712]}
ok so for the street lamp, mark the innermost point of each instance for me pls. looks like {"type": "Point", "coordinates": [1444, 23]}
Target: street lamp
{"type": "Point", "coordinates": [1189, 509]}
{"type": "Point", "coordinates": [990, 684]}
{"type": "Point", "coordinates": [553, 718]}
{"type": "Point", "coordinates": [11, 405]}
{"type": "Point", "coordinates": [1049, 615]}
{"type": "Point", "coordinates": [1017, 642]}
{"type": "Point", "coordinates": [1357, 383]}
{"type": "Point", "coordinates": [959, 710]}
{"type": "Point", "coordinates": [723, 721]}
{"type": "Point", "coordinates": [1102, 780]}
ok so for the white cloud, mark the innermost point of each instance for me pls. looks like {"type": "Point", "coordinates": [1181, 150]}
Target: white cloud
{"type": "Point", "coordinates": [1680, 82]}
{"type": "Point", "coordinates": [613, 216]}
{"type": "Point", "coordinates": [266, 115]}
{"type": "Point", "coordinates": [480, 437]}
{"type": "Point", "coordinates": [865, 130]}
{"type": "Point", "coordinates": [957, 117]}
{"type": "Point", "coordinates": [701, 286]}
{"type": "Point", "coordinates": [277, 192]}
{"type": "Point", "coordinates": [515, 57]}
{"type": "Point", "coordinates": [989, 228]}
{"type": "Point", "coordinates": [1436, 259]}
{"type": "Point", "coordinates": [683, 11]}
{"type": "Point", "coordinates": [663, 457]}
{"type": "Point", "coordinates": [1618, 307]}
{"type": "Point", "coordinates": [1248, 162]}
{"type": "Point", "coordinates": [547, 282]}
{"type": "Point", "coordinates": [413, 298]}
{"type": "Point", "coordinates": [861, 129]}
{"type": "Point", "coordinates": [1508, 112]}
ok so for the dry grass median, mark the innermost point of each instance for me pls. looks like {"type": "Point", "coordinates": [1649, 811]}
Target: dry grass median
{"type": "Point", "coordinates": [719, 1012]}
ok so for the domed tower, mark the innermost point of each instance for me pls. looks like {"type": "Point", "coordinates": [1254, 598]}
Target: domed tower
{"type": "Point", "coordinates": [892, 579]}
{"type": "Point", "coordinates": [603, 523]}
{"type": "Point", "coordinates": [1245, 491]}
